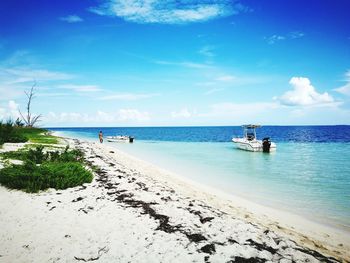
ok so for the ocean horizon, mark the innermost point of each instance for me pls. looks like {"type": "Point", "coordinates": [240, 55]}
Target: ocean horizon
{"type": "Point", "coordinates": [308, 175]}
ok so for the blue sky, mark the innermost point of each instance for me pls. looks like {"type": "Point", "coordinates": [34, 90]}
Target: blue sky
{"type": "Point", "coordinates": [170, 63]}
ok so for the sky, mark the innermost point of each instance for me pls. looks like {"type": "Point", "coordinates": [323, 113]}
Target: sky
{"type": "Point", "coordinates": [101, 63]}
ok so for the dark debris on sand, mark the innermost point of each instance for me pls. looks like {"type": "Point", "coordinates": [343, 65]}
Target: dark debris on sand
{"type": "Point", "coordinates": [127, 199]}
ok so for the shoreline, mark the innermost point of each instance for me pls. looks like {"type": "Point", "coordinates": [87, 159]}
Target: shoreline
{"type": "Point", "coordinates": [276, 212]}
{"type": "Point", "coordinates": [225, 193]}
{"type": "Point", "coordinates": [284, 218]}
{"type": "Point", "coordinates": [291, 224]}
{"type": "Point", "coordinates": [310, 203]}
{"type": "Point", "coordinates": [176, 218]}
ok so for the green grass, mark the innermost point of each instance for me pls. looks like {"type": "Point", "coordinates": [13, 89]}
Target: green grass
{"type": "Point", "coordinates": [42, 170]}
{"type": "Point", "coordinates": [37, 135]}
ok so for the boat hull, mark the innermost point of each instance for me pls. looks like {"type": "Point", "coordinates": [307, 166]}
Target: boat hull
{"type": "Point", "coordinates": [119, 139]}
{"type": "Point", "coordinates": [252, 146]}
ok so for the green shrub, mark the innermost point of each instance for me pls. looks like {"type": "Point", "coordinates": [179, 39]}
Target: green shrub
{"type": "Point", "coordinates": [15, 155]}
{"type": "Point", "coordinates": [10, 133]}
{"type": "Point", "coordinates": [32, 178]}
{"type": "Point", "coordinates": [41, 170]}
{"type": "Point", "coordinates": [65, 175]}
{"type": "Point", "coordinates": [38, 155]}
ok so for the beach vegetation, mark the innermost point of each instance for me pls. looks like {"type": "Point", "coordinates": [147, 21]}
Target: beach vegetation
{"type": "Point", "coordinates": [38, 135]}
{"type": "Point", "coordinates": [42, 170]}
{"type": "Point", "coordinates": [16, 132]}
{"type": "Point", "coordinates": [10, 133]}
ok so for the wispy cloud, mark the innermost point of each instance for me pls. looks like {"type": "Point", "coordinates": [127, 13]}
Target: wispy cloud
{"type": "Point", "coordinates": [186, 64]}
{"type": "Point", "coordinates": [184, 113]}
{"type": "Point", "coordinates": [122, 115]}
{"type": "Point", "coordinates": [168, 11]}
{"type": "Point", "coordinates": [296, 34]}
{"type": "Point", "coordinates": [128, 96]}
{"type": "Point", "coordinates": [226, 78]}
{"type": "Point", "coordinates": [206, 84]}
{"type": "Point", "coordinates": [72, 19]}
{"type": "Point", "coordinates": [81, 88]}
{"type": "Point", "coordinates": [54, 94]}
{"type": "Point", "coordinates": [23, 74]}
{"type": "Point", "coordinates": [211, 91]}
{"type": "Point", "coordinates": [291, 35]}
{"type": "Point", "coordinates": [207, 51]}
{"type": "Point", "coordinates": [14, 80]}
{"type": "Point", "coordinates": [345, 90]}
{"type": "Point", "coordinates": [274, 38]}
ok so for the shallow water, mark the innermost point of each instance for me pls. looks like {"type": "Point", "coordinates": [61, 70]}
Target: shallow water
{"type": "Point", "coordinates": [309, 176]}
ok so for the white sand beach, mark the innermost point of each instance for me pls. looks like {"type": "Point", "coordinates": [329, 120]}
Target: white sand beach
{"type": "Point", "coordinates": [134, 211]}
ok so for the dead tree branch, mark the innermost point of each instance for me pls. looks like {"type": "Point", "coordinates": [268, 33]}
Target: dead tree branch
{"type": "Point", "coordinates": [29, 119]}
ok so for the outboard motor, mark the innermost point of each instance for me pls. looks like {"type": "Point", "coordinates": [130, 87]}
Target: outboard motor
{"type": "Point", "coordinates": [266, 145]}
{"type": "Point", "coordinates": [131, 139]}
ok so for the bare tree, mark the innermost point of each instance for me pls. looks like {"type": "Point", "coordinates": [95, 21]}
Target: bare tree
{"type": "Point", "coordinates": [29, 119]}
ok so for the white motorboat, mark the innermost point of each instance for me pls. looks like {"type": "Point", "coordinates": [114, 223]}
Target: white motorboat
{"type": "Point", "coordinates": [120, 138]}
{"type": "Point", "coordinates": [249, 141]}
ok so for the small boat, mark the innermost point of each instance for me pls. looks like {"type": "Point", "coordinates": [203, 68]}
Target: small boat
{"type": "Point", "coordinates": [120, 138]}
{"type": "Point", "coordinates": [249, 141]}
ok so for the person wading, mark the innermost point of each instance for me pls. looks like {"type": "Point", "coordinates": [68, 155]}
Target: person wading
{"type": "Point", "coordinates": [100, 136]}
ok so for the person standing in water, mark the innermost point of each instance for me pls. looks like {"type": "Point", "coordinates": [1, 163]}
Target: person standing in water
{"type": "Point", "coordinates": [100, 136]}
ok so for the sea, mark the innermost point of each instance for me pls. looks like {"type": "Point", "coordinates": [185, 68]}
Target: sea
{"type": "Point", "coordinates": [308, 175]}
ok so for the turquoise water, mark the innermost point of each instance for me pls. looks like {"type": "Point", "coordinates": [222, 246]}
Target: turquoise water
{"type": "Point", "coordinates": [306, 178]}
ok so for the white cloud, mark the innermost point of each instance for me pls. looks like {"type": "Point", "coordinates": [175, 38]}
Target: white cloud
{"type": "Point", "coordinates": [291, 35]}
{"type": "Point", "coordinates": [128, 96]}
{"type": "Point", "coordinates": [183, 113]}
{"type": "Point", "coordinates": [72, 19]}
{"type": "Point", "coordinates": [345, 90]}
{"type": "Point", "coordinates": [10, 111]}
{"type": "Point", "coordinates": [168, 11]}
{"type": "Point", "coordinates": [13, 106]}
{"type": "Point", "coordinates": [304, 94]}
{"type": "Point", "coordinates": [81, 88]}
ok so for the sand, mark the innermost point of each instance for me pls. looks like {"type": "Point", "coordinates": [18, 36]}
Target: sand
{"type": "Point", "coordinates": [135, 212]}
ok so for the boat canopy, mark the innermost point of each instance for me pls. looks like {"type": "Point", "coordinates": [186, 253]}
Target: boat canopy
{"type": "Point", "coordinates": [251, 126]}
